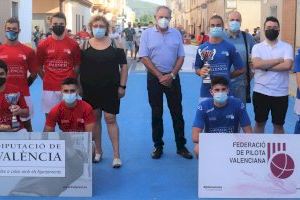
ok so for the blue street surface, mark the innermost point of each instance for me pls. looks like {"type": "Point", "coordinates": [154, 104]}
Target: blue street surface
{"type": "Point", "coordinates": [141, 177]}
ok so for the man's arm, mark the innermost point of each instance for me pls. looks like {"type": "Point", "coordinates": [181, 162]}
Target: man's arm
{"type": "Point", "coordinates": [258, 63]}
{"type": "Point", "coordinates": [48, 129]}
{"type": "Point", "coordinates": [247, 129]}
{"type": "Point", "coordinates": [195, 134]}
{"type": "Point", "coordinates": [89, 127]}
{"type": "Point", "coordinates": [167, 79]}
{"type": "Point", "coordinates": [151, 68]}
{"type": "Point", "coordinates": [285, 66]}
{"type": "Point", "coordinates": [237, 72]}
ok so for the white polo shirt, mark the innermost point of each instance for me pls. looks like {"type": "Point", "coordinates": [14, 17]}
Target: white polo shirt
{"type": "Point", "coordinates": [269, 82]}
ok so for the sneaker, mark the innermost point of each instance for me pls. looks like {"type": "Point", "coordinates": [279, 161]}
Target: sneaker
{"type": "Point", "coordinates": [97, 158]}
{"type": "Point", "coordinates": [117, 163]}
{"type": "Point", "coordinates": [157, 152]}
{"type": "Point", "coordinates": [184, 153]}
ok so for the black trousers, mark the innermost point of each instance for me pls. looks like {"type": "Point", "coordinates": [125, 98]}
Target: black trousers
{"type": "Point", "coordinates": [174, 98]}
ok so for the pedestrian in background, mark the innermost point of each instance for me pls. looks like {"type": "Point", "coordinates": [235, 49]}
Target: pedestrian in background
{"type": "Point", "coordinates": [59, 58]}
{"type": "Point", "coordinates": [162, 53]}
{"type": "Point", "coordinates": [272, 59]}
{"type": "Point", "coordinates": [103, 77]}
{"type": "Point", "coordinates": [297, 101]}
{"type": "Point", "coordinates": [129, 34]}
{"type": "Point", "coordinates": [21, 60]}
{"type": "Point", "coordinates": [221, 56]}
{"type": "Point", "coordinates": [243, 42]}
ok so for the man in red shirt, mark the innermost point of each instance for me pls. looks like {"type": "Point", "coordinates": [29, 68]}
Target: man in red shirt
{"type": "Point", "coordinates": [7, 111]}
{"type": "Point", "coordinates": [83, 35]}
{"type": "Point", "coordinates": [59, 58]}
{"type": "Point", "coordinates": [71, 114]}
{"type": "Point", "coordinates": [21, 60]}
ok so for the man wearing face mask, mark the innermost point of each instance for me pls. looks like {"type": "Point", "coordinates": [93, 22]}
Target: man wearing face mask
{"type": "Point", "coordinates": [7, 110]}
{"type": "Point", "coordinates": [222, 55]}
{"type": "Point", "coordinates": [220, 114]}
{"type": "Point", "coordinates": [21, 61]}
{"type": "Point", "coordinates": [243, 42]}
{"type": "Point", "coordinates": [71, 114]}
{"type": "Point", "coordinates": [162, 53]}
{"type": "Point", "coordinates": [272, 59]}
{"type": "Point", "coordinates": [59, 58]}
{"type": "Point", "coordinates": [129, 33]}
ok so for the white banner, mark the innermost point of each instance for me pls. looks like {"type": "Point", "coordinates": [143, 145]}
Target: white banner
{"type": "Point", "coordinates": [249, 166]}
{"type": "Point", "coordinates": [32, 158]}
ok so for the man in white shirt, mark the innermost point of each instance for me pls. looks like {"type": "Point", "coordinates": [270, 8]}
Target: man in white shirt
{"type": "Point", "coordinates": [272, 59]}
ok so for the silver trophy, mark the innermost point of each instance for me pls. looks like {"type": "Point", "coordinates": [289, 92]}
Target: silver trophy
{"type": "Point", "coordinates": [207, 55]}
{"type": "Point", "coordinates": [12, 99]}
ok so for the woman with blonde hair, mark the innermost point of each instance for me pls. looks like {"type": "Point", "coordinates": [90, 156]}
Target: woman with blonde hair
{"type": "Point", "coordinates": [103, 77]}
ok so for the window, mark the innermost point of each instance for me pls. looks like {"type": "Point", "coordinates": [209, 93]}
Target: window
{"type": "Point", "coordinates": [14, 9]}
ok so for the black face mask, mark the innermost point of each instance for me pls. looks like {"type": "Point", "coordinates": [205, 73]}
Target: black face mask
{"type": "Point", "coordinates": [58, 30]}
{"type": "Point", "coordinates": [2, 81]}
{"type": "Point", "coordinates": [271, 34]}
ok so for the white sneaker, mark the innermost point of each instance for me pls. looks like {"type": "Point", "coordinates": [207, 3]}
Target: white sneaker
{"type": "Point", "coordinates": [97, 158]}
{"type": "Point", "coordinates": [117, 163]}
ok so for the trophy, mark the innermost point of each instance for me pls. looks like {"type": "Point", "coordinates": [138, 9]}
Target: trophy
{"type": "Point", "coordinates": [207, 55]}
{"type": "Point", "coordinates": [12, 99]}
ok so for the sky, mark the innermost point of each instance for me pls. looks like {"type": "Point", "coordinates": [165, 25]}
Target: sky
{"type": "Point", "coordinates": [157, 1]}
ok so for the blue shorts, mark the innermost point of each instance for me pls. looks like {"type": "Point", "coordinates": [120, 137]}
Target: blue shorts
{"type": "Point", "coordinates": [129, 45]}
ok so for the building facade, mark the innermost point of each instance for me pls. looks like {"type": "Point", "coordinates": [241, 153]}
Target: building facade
{"type": "Point", "coordinates": [193, 15]}
{"type": "Point", "coordinates": [21, 9]}
{"type": "Point", "coordinates": [78, 13]}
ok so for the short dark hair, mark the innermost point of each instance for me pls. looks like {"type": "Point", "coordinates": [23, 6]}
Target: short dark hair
{"type": "Point", "coordinates": [59, 15]}
{"type": "Point", "coordinates": [13, 20]}
{"type": "Point", "coordinates": [3, 65]}
{"type": "Point", "coordinates": [70, 81]}
{"type": "Point", "coordinates": [272, 19]}
{"type": "Point", "coordinates": [219, 80]}
{"type": "Point", "coordinates": [216, 17]}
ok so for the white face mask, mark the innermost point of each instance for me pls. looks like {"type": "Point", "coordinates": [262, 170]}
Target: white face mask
{"type": "Point", "coordinates": [69, 98]}
{"type": "Point", "coordinates": [163, 23]}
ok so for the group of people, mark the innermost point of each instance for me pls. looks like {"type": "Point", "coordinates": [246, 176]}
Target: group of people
{"type": "Point", "coordinates": [97, 71]}
{"type": "Point", "coordinates": [100, 65]}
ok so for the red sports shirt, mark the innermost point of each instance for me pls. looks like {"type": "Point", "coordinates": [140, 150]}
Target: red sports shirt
{"type": "Point", "coordinates": [5, 114]}
{"type": "Point", "coordinates": [20, 59]}
{"type": "Point", "coordinates": [71, 119]}
{"type": "Point", "coordinates": [59, 59]}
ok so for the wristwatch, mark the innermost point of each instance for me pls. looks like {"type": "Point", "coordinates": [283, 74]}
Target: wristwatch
{"type": "Point", "coordinates": [173, 76]}
{"type": "Point", "coordinates": [122, 86]}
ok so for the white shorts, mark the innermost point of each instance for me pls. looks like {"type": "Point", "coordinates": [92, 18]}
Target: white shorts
{"type": "Point", "coordinates": [297, 106]}
{"type": "Point", "coordinates": [50, 99]}
{"type": "Point", "coordinates": [30, 107]}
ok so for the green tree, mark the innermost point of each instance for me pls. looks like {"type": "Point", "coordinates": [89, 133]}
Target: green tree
{"type": "Point", "coordinates": [145, 19]}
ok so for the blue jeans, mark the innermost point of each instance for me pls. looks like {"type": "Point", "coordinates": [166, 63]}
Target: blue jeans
{"type": "Point", "coordinates": [238, 90]}
{"type": "Point", "coordinates": [297, 126]}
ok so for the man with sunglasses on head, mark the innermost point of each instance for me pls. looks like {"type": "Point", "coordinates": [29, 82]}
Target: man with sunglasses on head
{"type": "Point", "coordinates": [59, 58]}
{"type": "Point", "coordinates": [71, 114]}
{"type": "Point", "coordinates": [272, 59]}
{"type": "Point", "coordinates": [220, 114]}
{"type": "Point", "coordinates": [21, 61]}
{"type": "Point", "coordinates": [222, 55]}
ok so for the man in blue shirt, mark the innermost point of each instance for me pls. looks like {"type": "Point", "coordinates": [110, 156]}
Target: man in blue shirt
{"type": "Point", "coordinates": [297, 101]}
{"type": "Point", "coordinates": [243, 42]}
{"type": "Point", "coordinates": [223, 56]}
{"type": "Point", "coordinates": [162, 53]}
{"type": "Point", "coordinates": [220, 114]}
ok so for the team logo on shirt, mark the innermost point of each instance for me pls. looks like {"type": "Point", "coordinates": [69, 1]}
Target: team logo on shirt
{"type": "Point", "coordinates": [80, 120]}
{"type": "Point", "coordinates": [68, 51]}
{"type": "Point", "coordinates": [3, 56]}
{"type": "Point", "coordinates": [225, 53]}
{"type": "Point", "coordinates": [50, 51]}
{"type": "Point", "coordinates": [231, 116]}
{"type": "Point", "coordinates": [212, 118]}
{"type": "Point", "coordinates": [22, 56]}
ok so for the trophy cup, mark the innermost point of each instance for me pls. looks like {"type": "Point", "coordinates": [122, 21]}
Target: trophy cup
{"type": "Point", "coordinates": [12, 99]}
{"type": "Point", "coordinates": [207, 55]}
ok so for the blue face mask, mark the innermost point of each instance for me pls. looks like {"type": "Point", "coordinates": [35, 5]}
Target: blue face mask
{"type": "Point", "coordinates": [234, 26]}
{"type": "Point", "coordinates": [216, 32]}
{"type": "Point", "coordinates": [220, 97]}
{"type": "Point", "coordinates": [99, 32]}
{"type": "Point", "coordinates": [69, 98]}
{"type": "Point", "coordinates": [11, 35]}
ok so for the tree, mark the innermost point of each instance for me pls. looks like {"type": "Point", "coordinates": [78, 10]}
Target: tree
{"type": "Point", "coordinates": [145, 19]}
